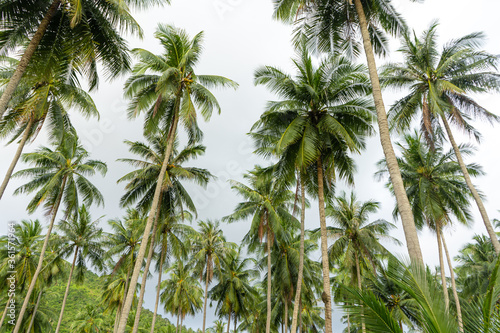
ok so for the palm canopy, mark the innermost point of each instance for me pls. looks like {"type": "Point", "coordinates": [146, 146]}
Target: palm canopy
{"type": "Point", "coordinates": [166, 86]}
{"type": "Point", "coordinates": [434, 182]}
{"type": "Point", "coordinates": [333, 26]}
{"type": "Point", "coordinates": [440, 82]}
{"type": "Point", "coordinates": [61, 172]}
{"type": "Point", "coordinates": [324, 112]}
{"type": "Point", "coordinates": [142, 181]}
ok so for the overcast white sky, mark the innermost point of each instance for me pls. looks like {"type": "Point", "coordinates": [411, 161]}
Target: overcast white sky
{"type": "Point", "coordinates": [240, 35]}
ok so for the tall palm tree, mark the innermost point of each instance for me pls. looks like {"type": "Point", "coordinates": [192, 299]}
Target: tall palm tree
{"type": "Point", "coordinates": [182, 294]}
{"type": "Point", "coordinates": [48, 93]}
{"type": "Point", "coordinates": [269, 203]}
{"type": "Point", "coordinates": [323, 114]}
{"type": "Point", "coordinates": [209, 250]}
{"type": "Point", "coordinates": [167, 87]}
{"type": "Point", "coordinates": [58, 176]}
{"type": "Point", "coordinates": [234, 289]}
{"type": "Point", "coordinates": [440, 84]}
{"type": "Point", "coordinates": [95, 25]}
{"type": "Point", "coordinates": [334, 24]}
{"type": "Point", "coordinates": [142, 182]}
{"type": "Point", "coordinates": [82, 236]}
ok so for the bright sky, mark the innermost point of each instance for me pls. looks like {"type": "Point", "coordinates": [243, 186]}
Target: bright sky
{"type": "Point", "coordinates": [240, 35]}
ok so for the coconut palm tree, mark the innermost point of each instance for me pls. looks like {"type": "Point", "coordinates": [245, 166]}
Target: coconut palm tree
{"type": "Point", "coordinates": [58, 176]}
{"type": "Point", "coordinates": [82, 236]}
{"type": "Point", "coordinates": [324, 113]}
{"type": "Point", "coordinates": [167, 87]}
{"type": "Point", "coordinates": [209, 250]}
{"type": "Point", "coordinates": [334, 24]}
{"type": "Point", "coordinates": [440, 84]}
{"type": "Point", "coordinates": [90, 319]}
{"type": "Point", "coordinates": [234, 289]}
{"type": "Point", "coordinates": [94, 25]}
{"type": "Point", "coordinates": [46, 96]}
{"type": "Point", "coordinates": [269, 203]}
{"type": "Point", "coordinates": [182, 294]}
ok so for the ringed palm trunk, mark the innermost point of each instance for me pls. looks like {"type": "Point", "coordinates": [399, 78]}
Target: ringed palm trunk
{"type": "Point", "coordinates": [206, 294]}
{"type": "Point", "coordinates": [20, 148]}
{"type": "Point", "coordinates": [296, 304]}
{"type": "Point", "coordinates": [32, 321]}
{"type": "Point", "coordinates": [268, 318]}
{"type": "Point", "coordinates": [327, 299]}
{"type": "Point", "coordinates": [135, 329]}
{"type": "Point", "coordinates": [358, 276]}
{"type": "Point", "coordinates": [441, 264]}
{"type": "Point", "coordinates": [453, 287]}
{"type": "Point", "coordinates": [25, 59]}
{"type": "Point", "coordinates": [67, 291]}
{"type": "Point", "coordinates": [5, 310]}
{"type": "Point", "coordinates": [40, 261]}
{"type": "Point", "coordinates": [162, 258]}
{"type": "Point", "coordinates": [142, 250]}
{"type": "Point", "coordinates": [475, 194]}
{"type": "Point", "coordinates": [392, 164]}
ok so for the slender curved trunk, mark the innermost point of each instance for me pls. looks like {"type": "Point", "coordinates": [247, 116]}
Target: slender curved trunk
{"type": "Point", "coordinates": [392, 164]}
{"type": "Point", "coordinates": [20, 148]}
{"type": "Point", "coordinates": [162, 258]}
{"type": "Point", "coordinates": [25, 59]}
{"type": "Point", "coordinates": [229, 319]}
{"type": "Point", "coordinates": [135, 329]}
{"type": "Point", "coordinates": [441, 264]}
{"type": "Point", "coordinates": [125, 290]}
{"type": "Point", "coordinates": [66, 293]}
{"type": "Point", "coordinates": [142, 250]}
{"type": "Point", "coordinates": [358, 277]}
{"type": "Point", "coordinates": [300, 317]}
{"type": "Point", "coordinates": [32, 321]}
{"type": "Point", "coordinates": [117, 318]}
{"type": "Point", "coordinates": [268, 318]}
{"type": "Point", "coordinates": [182, 321]}
{"type": "Point", "coordinates": [206, 294]}
{"type": "Point", "coordinates": [178, 317]}
{"type": "Point", "coordinates": [40, 261]}
{"type": "Point", "coordinates": [235, 323]}
{"type": "Point", "coordinates": [327, 298]}
{"type": "Point", "coordinates": [298, 290]}
{"type": "Point", "coordinates": [475, 194]}
{"type": "Point", "coordinates": [5, 311]}
{"type": "Point", "coordinates": [453, 286]}
{"type": "Point", "coordinates": [286, 316]}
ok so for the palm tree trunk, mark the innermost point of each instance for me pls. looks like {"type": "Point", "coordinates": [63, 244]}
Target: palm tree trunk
{"type": "Point", "coordinates": [142, 250]}
{"type": "Point", "coordinates": [40, 261]}
{"type": "Point", "coordinates": [286, 316]}
{"type": "Point", "coordinates": [229, 319]}
{"type": "Point", "coordinates": [182, 320]}
{"type": "Point", "coordinates": [178, 317]}
{"type": "Point", "coordinates": [66, 292]}
{"type": "Point", "coordinates": [453, 286]}
{"type": "Point", "coordinates": [20, 148]}
{"type": "Point", "coordinates": [235, 323]}
{"type": "Point", "coordinates": [358, 276]}
{"type": "Point", "coordinates": [25, 59]}
{"type": "Point", "coordinates": [162, 257]}
{"type": "Point", "coordinates": [301, 256]}
{"type": "Point", "coordinates": [477, 198]}
{"type": "Point", "coordinates": [300, 316]}
{"type": "Point", "coordinates": [392, 164]}
{"type": "Point", "coordinates": [5, 311]}
{"type": "Point", "coordinates": [326, 296]}
{"type": "Point", "coordinates": [32, 321]}
{"type": "Point", "coordinates": [125, 290]}
{"type": "Point", "coordinates": [268, 318]}
{"type": "Point", "coordinates": [206, 295]}
{"type": "Point", "coordinates": [135, 329]}
{"type": "Point", "coordinates": [348, 324]}
{"type": "Point", "coordinates": [117, 318]}
{"type": "Point", "coordinates": [441, 264]}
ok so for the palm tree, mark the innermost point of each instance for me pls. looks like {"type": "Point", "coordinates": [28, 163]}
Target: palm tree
{"type": "Point", "coordinates": [439, 85]}
{"type": "Point", "coordinates": [357, 241]}
{"type": "Point", "coordinates": [58, 176]}
{"type": "Point", "coordinates": [334, 24]}
{"type": "Point", "coordinates": [437, 192]}
{"type": "Point", "coordinates": [95, 25]}
{"type": "Point", "coordinates": [182, 293]}
{"type": "Point", "coordinates": [90, 319]}
{"type": "Point", "coordinates": [46, 95]}
{"type": "Point", "coordinates": [168, 89]}
{"type": "Point", "coordinates": [82, 236]}
{"type": "Point", "coordinates": [234, 289]}
{"type": "Point", "coordinates": [324, 113]}
{"type": "Point", "coordinates": [209, 250]}
{"type": "Point", "coordinates": [142, 182]}
{"type": "Point", "coordinates": [269, 203]}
